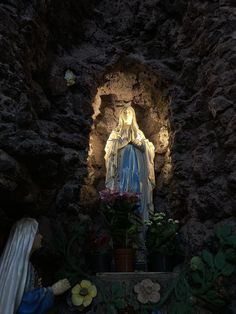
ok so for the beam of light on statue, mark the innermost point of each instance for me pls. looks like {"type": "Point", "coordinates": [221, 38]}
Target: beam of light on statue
{"type": "Point", "coordinates": [130, 160]}
{"type": "Point", "coordinates": [130, 167]}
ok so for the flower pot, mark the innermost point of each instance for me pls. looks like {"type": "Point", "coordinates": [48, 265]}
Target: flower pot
{"type": "Point", "coordinates": [101, 263]}
{"type": "Point", "coordinates": [124, 260]}
{"type": "Point", "coordinates": [159, 263]}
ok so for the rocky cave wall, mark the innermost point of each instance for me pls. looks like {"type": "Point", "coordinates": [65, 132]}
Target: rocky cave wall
{"type": "Point", "coordinates": [45, 124]}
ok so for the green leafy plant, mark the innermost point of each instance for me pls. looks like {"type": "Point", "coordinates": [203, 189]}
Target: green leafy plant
{"type": "Point", "coordinates": [161, 234]}
{"type": "Point", "coordinates": [201, 283]}
{"type": "Point", "coordinates": [68, 245]}
{"type": "Point", "coordinates": [120, 210]}
{"type": "Point", "coordinates": [209, 270]}
{"type": "Point", "coordinates": [179, 297]}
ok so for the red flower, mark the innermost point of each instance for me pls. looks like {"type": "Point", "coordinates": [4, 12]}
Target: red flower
{"type": "Point", "coordinates": [98, 242]}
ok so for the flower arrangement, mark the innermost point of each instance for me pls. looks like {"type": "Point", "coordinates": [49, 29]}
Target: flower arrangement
{"type": "Point", "coordinates": [121, 212]}
{"type": "Point", "coordinates": [161, 234]}
{"type": "Point", "coordinates": [118, 198]}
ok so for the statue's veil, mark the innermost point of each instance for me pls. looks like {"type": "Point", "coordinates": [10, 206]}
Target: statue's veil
{"type": "Point", "coordinates": [14, 263]}
{"type": "Point", "coordinates": [134, 125]}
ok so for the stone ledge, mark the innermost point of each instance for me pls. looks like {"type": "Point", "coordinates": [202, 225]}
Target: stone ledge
{"type": "Point", "coordinates": [161, 277]}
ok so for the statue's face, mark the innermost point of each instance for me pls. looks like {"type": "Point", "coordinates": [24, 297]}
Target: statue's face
{"type": "Point", "coordinates": [128, 116]}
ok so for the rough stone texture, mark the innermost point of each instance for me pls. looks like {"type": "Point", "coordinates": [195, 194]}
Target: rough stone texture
{"type": "Point", "coordinates": [179, 61]}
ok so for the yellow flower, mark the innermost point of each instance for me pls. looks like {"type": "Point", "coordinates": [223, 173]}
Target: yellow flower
{"type": "Point", "coordinates": [83, 293]}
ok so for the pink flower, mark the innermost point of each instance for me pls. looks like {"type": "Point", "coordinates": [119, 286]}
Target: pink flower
{"type": "Point", "coordinates": [108, 196]}
{"type": "Point", "coordinates": [147, 291]}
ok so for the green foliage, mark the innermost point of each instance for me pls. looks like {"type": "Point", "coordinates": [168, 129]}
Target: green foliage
{"type": "Point", "coordinates": [225, 237]}
{"type": "Point", "coordinates": [118, 296]}
{"type": "Point", "coordinates": [208, 258]}
{"type": "Point", "coordinates": [202, 283]}
{"type": "Point", "coordinates": [179, 296]}
{"type": "Point", "coordinates": [68, 243]}
{"type": "Point", "coordinates": [161, 234]}
{"type": "Point", "coordinates": [196, 263]}
{"type": "Point", "coordinates": [208, 268]}
{"type": "Point", "coordinates": [181, 307]}
{"type": "Point", "coordinates": [112, 296]}
{"type": "Point", "coordinates": [124, 222]}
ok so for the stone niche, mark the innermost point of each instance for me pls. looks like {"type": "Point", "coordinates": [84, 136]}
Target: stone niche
{"type": "Point", "coordinates": [145, 90]}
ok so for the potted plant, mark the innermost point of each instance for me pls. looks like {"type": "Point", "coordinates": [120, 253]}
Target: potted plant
{"type": "Point", "coordinates": [67, 245]}
{"type": "Point", "coordinates": [161, 241]}
{"type": "Point", "coordinates": [99, 243]}
{"type": "Point", "coordinates": [121, 212]}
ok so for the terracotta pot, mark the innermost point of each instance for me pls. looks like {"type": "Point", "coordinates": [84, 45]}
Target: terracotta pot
{"type": "Point", "coordinates": [124, 260]}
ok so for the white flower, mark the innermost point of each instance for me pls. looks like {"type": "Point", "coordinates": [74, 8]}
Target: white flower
{"type": "Point", "coordinates": [170, 220]}
{"type": "Point", "coordinates": [70, 77]}
{"type": "Point", "coordinates": [176, 221]}
{"type": "Point", "coordinates": [147, 291]}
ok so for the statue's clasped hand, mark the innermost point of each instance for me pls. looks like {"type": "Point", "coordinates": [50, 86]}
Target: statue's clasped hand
{"type": "Point", "coordinates": [138, 144]}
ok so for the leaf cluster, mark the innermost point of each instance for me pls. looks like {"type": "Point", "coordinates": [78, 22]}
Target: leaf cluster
{"type": "Point", "coordinates": [202, 284]}
{"type": "Point", "coordinates": [208, 270]}
{"type": "Point", "coordinates": [179, 294]}
{"type": "Point", "coordinates": [68, 245]}
{"type": "Point", "coordinates": [161, 234]}
{"type": "Point", "coordinates": [124, 222]}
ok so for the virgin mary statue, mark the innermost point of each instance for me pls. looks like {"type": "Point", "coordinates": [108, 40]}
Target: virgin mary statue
{"type": "Point", "coordinates": [129, 158]}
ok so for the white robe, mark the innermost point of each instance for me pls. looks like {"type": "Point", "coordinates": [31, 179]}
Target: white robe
{"type": "Point", "coordinates": [14, 264]}
{"type": "Point", "coordinates": [144, 153]}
